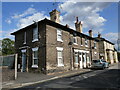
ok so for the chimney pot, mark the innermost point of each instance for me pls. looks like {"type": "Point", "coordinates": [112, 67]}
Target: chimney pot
{"type": "Point", "coordinates": [99, 35]}
{"type": "Point", "coordinates": [90, 33]}
{"type": "Point", "coordinates": [67, 25]}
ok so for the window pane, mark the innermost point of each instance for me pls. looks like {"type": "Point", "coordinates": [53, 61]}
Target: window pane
{"type": "Point", "coordinates": [59, 54]}
{"type": "Point", "coordinates": [60, 61]}
{"type": "Point", "coordinates": [35, 54]}
{"type": "Point", "coordinates": [59, 35]}
{"type": "Point", "coordinates": [35, 61]}
{"type": "Point", "coordinates": [35, 33]}
{"type": "Point", "coordinates": [76, 59]}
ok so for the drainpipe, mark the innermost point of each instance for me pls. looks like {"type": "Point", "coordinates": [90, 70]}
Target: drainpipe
{"type": "Point", "coordinates": [90, 52]}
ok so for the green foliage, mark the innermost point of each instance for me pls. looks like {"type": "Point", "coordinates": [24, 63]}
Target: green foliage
{"type": "Point", "coordinates": [7, 46]}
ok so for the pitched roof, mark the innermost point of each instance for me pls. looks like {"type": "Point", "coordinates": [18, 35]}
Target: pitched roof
{"type": "Point", "coordinates": [57, 25]}
{"type": "Point", "coordinates": [103, 39]}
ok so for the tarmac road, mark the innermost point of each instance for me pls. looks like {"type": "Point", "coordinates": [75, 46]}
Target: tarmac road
{"type": "Point", "coordinates": [98, 79]}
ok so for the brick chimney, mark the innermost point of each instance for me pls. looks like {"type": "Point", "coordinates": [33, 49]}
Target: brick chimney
{"type": "Point", "coordinates": [78, 25]}
{"type": "Point", "coordinates": [90, 33]}
{"type": "Point", "coordinates": [55, 16]}
{"type": "Point", "coordinates": [99, 35]}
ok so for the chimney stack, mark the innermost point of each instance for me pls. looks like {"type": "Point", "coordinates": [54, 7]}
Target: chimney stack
{"type": "Point", "coordinates": [99, 35]}
{"type": "Point", "coordinates": [67, 25]}
{"type": "Point", "coordinates": [55, 16]}
{"type": "Point", "coordinates": [78, 25]}
{"type": "Point", "coordinates": [90, 33]}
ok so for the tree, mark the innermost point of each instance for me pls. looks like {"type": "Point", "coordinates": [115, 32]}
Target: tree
{"type": "Point", "coordinates": [7, 46]}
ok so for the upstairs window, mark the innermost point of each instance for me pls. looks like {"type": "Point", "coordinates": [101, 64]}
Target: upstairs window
{"type": "Point", "coordinates": [24, 38]}
{"type": "Point", "coordinates": [75, 40]}
{"type": "Point", "coordinates": [95, 44]}
{"type": "Point", "coordinates": [81, 41]}
{"type": "Point", "coordinates": [35, 34]}
{"type": "Point", "coordinates": [86, 42]}
{"type": "Point", "coordinates": [59, 35]}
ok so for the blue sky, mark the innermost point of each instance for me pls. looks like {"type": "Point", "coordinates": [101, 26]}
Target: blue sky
{"type": "Point", "coordinates": [101, 17]}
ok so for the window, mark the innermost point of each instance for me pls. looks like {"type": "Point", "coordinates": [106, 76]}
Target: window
{"type": "Point", "coordinates": [75, 40]}
{"type": "Point", "coordinates": [86, 42]}
{"type": "Point", "coordinates": [76, 57]}
{"type": "Point", "coordinates": [24, 38]}
{"type": "Point", "coordinates": [59, 35]}
{"type": "Point", "coordinates": [35, 57]}
{"type": "Point", "coordinates": [35, 34]}
{"type": "Point", "coordinates": [81, 41]}
{"type": "Point", "coordinates": [94, 44]}
{"type": "Point", "coordinates": [59, 56]}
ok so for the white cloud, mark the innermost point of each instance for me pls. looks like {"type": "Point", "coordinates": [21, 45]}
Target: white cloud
{"type": "Point", "coordinates": [29, 11]}
{"type": "Point", "coordinates": [8, 21]}
{"type": "Point", "coordinates": [87, 12]}
{"type": "Point", "coordinates": [29, 20]}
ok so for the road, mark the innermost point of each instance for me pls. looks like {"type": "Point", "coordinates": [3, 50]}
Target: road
{"type": "Point", "coordinates": [108, 78]}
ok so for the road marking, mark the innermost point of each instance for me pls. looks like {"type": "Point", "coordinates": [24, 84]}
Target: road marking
{"type": "Point", "coordinates": [85, 77]}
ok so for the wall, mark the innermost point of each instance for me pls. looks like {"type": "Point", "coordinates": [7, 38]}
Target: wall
{"type": "Point", "coordinates": [51, 51]}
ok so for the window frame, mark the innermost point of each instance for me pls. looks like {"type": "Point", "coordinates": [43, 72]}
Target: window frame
{"type": "Point", "coordinates": [76, 41]}
{"type": "Point", "coordinates": [86, 42]}
{"type": "Point", "coordinates": [60, 49]}
{"type": "Point", "coordinates": [35, 32]}
{"type": "Point", "coordinates": [25, 38]}
{"type": "Point", "coordinates": [81, 41]}
{"type": "Point", "coordinates": [33, 57]}
{"type": "Point", "coordinates": [59, 34]}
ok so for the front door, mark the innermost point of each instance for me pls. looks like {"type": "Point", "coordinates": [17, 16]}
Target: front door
{"type": "Point", "coordinates": [84, 60]}
{"type": "Point", "coordinates": [23, 60]}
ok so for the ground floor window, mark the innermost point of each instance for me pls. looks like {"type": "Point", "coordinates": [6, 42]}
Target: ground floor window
{"type": "Point", "coordinates": [35, 57]}
{"type": "Point", "coordinates": [76, 57]}
{"type": "Point", "coordinates": [60, 56]}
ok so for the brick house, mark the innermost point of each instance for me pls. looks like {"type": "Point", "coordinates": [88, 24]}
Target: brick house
{"type": "Point", "coordinates": [47, 46]}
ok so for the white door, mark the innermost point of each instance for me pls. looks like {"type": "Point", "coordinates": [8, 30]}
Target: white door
{"type": "Point", "coordinates": [84, 58]}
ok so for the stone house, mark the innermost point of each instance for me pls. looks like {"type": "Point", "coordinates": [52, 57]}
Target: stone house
{"type": "Point", "coordinates": [107, 50]}
{"type": "Point", "coordinates": [47, 46]}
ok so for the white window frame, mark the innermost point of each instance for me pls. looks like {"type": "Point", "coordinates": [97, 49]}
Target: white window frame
{"type": "Point", "coordinates": [60, 49]}
{"type": "Point", "coordinates": [35, 38]}
{"type": "Point", "coordinates": [86, 42]}
{"type": "Point", "coordinates": [76, 54]}
{"type": "Point", "coordinates": [59, 34]}
{"type": "Point", "coordinates": [25, 37]}
{"type": "Point", "coordinates": [33, 50]}
{"type": "Point", "coordinates": [75, 38]}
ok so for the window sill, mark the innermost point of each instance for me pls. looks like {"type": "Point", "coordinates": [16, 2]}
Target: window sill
{"type": "Point", "coordinates": [34, 66]}
{"type": "Point", "coordinates": [86, 45]}
{"type": "Point", "coordinates": [81, 45]}
{"type": "Point", "coordinates": [34, 40]}
{"type": "Point", "coordinates": [24, 43]}
{"type": "Point", "coordinates": [60, 65]}
{"type": "Point", "coordinates": [75, 43]}
{"type": "Point", "coordinates": [59, 40]}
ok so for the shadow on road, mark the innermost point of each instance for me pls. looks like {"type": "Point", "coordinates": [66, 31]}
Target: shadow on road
{"type": "Point", "coordinates": [108, 79]}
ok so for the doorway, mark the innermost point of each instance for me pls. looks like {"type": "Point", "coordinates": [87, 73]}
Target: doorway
{"type": "Point", "coordinates": [24, 60]}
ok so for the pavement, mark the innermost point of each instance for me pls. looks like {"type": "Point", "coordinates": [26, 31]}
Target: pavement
{"type": "Point", "coordinates": [25, 78]}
